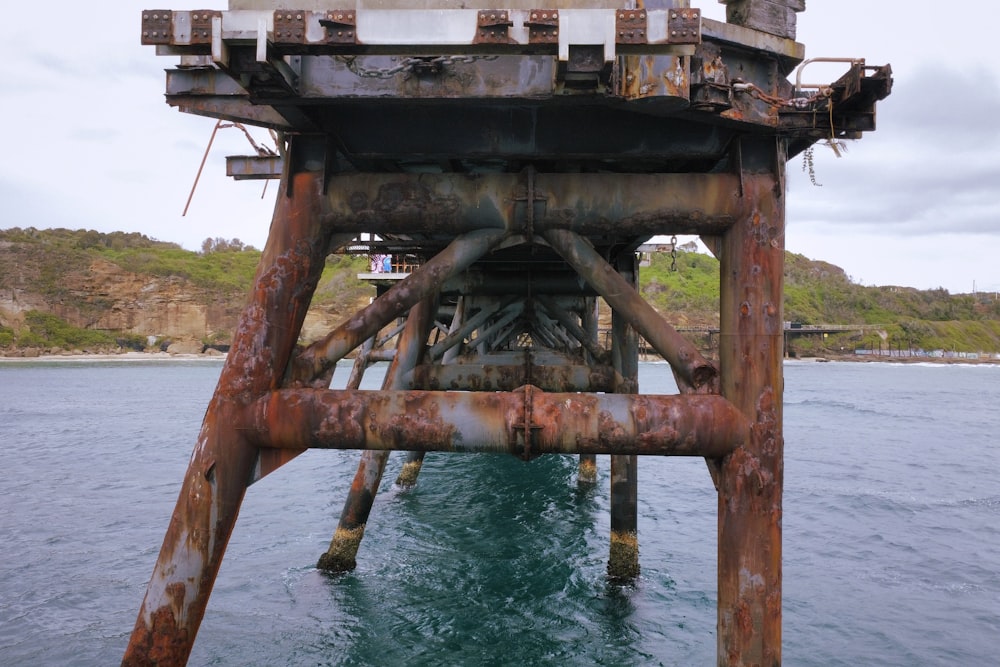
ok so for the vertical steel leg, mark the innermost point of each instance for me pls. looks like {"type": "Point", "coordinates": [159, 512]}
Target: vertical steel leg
{"type": "Point", "coordinates": [341, 556]}
{"type": "Point", "coordinates": [587, 471]}
{"type": "Point", "coordinates": [751, 478]}
{"type": "Point", "coordinates": [408, 474]}
{"type": "Point", "coordinates": [222, 462]}
{"type": "Point", "coordinates": [623, 562]}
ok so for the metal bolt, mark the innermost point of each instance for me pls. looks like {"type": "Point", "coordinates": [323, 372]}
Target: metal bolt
{"type": "Point", "coordinates": [554, 15]}
{"type": "Point", "coordinates": [534, 15]}
{"type": "Point", "coordinates": [545, 16]}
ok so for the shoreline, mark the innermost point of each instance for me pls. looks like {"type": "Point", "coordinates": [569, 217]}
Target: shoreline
{"type": "Point", "coordinates": [110, 356]}
{"type": "Point", "coordinates": [218, 357]}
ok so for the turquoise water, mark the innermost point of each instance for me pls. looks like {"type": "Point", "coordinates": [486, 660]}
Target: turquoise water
{"type": "Point", "coordinates": [892, 539]}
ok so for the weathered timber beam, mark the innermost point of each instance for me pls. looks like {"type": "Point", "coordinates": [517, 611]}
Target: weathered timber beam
{"type": "Point", "coordinates": [560, 423]}
{"type": "Point", "coordinates": [426, 280]}
{"type": "Point", "coordinates": [628, 204]}
{"type": "Point", "coordinates": [488, 377]}
{"type": "Point", "coordinates": [775, 17]}
{"type": "Point", "coordinates": [623, 298]}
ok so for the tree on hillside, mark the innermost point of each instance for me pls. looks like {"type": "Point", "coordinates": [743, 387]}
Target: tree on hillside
{"type": "Point", "coordinates": [219, 244]}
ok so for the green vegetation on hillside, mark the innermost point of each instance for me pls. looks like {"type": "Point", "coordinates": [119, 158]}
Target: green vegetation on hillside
{"type": "Point", "coordinates": [50, 263]}
{"type": "Point", "coordinates": [818, 293]}
{"type": "Point", "coordinates": [44, 330]}
{"type": "Point", "coordinates": [67, 251]}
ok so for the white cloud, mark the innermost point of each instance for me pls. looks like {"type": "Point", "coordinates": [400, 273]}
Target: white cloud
{"type": "Point", "coordinates": [90, 142]}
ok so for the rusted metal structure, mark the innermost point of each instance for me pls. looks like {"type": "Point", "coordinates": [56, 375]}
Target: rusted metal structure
{"type": "Point", "coordinates": [523, 153]}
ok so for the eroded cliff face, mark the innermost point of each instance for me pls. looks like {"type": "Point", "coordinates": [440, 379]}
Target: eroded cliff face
{"type": "Point", "coordinates": [169, 307]}
{"type": "Point", "coordinates": [102, 295]}
{"type": "Point", "coordinates": [95, 293]}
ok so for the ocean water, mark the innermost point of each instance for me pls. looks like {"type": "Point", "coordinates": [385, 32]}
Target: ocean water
{"type": "Point", "coordinates": [891, 534]}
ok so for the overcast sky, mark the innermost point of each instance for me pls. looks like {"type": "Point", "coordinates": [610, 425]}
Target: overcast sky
{"type": "Point", "coordinates": [91, 143]}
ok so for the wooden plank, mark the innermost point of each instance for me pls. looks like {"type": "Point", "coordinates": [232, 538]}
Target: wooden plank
{"type": "Point", "coordinates": [797, 5]}
{"type": "Point", "coordinates": [775, 17]}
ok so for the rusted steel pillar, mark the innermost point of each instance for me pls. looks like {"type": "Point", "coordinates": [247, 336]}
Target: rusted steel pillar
{"type": "Point", "coordinates": [407, 477]}
{"type": "Point", "coordinates": [623, 559]}
{"type": "Point", "coordinates": [343, 550]}
{"type": "Point", "coordinates": [684, 358]}
{"type": "Point", "coordinates": [587, 471]}
{"type": "Point", "coordinates": [360, 363]}
{"type": "Point", "coordinates": [751, 477]}
{"type": "Point", "coordinates": [223, 461]}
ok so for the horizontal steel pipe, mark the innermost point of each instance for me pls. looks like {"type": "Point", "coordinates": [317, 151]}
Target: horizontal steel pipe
{"type": "Point", "coordinates": [628, 204]}
{"type": "Point", "coordinates": [526, 281]}
{"type": "Point", "coordinates": [689, 425]}
{"type": "Point", "coordinates": [507, 377]}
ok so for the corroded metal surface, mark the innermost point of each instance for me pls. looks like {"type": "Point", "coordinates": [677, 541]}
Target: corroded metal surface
{"type": "Point", "coordinates": [519, 156]}
{"type": "Point", "coordinates": [623, 297]}
{"type": "Point", "coordinates": [751, 478]}
{"type": "Point", "coordinates": [633, 204]}
{"type": "Point", "coordinates": [462, 252]}
{"type": "Point", "coordinates": [340, 556]}
{"type": "Point", "coordinates": [223, 460]}
{"type": "Point", "coordinates": [694, 425]}
{"type": "Point", "coordinates": [483, 377]}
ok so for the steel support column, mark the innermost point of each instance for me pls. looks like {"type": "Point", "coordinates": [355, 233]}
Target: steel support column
{"type": "Point", "coordinates": [343, 550]}
{"type": "Point", "coordinates": [223, 461]}
{"type": "Point", "coordinates": [623, 556]}
{"type": "Point", "coordinates": [587, 470]}
{"type": "Point", "coordinates": [751, 477]}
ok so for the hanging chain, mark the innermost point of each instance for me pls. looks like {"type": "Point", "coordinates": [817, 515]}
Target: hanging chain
{"type": "Point", "coordinates": [424, 65]}
{"type": "Point", "coordinates": [673, 253]}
